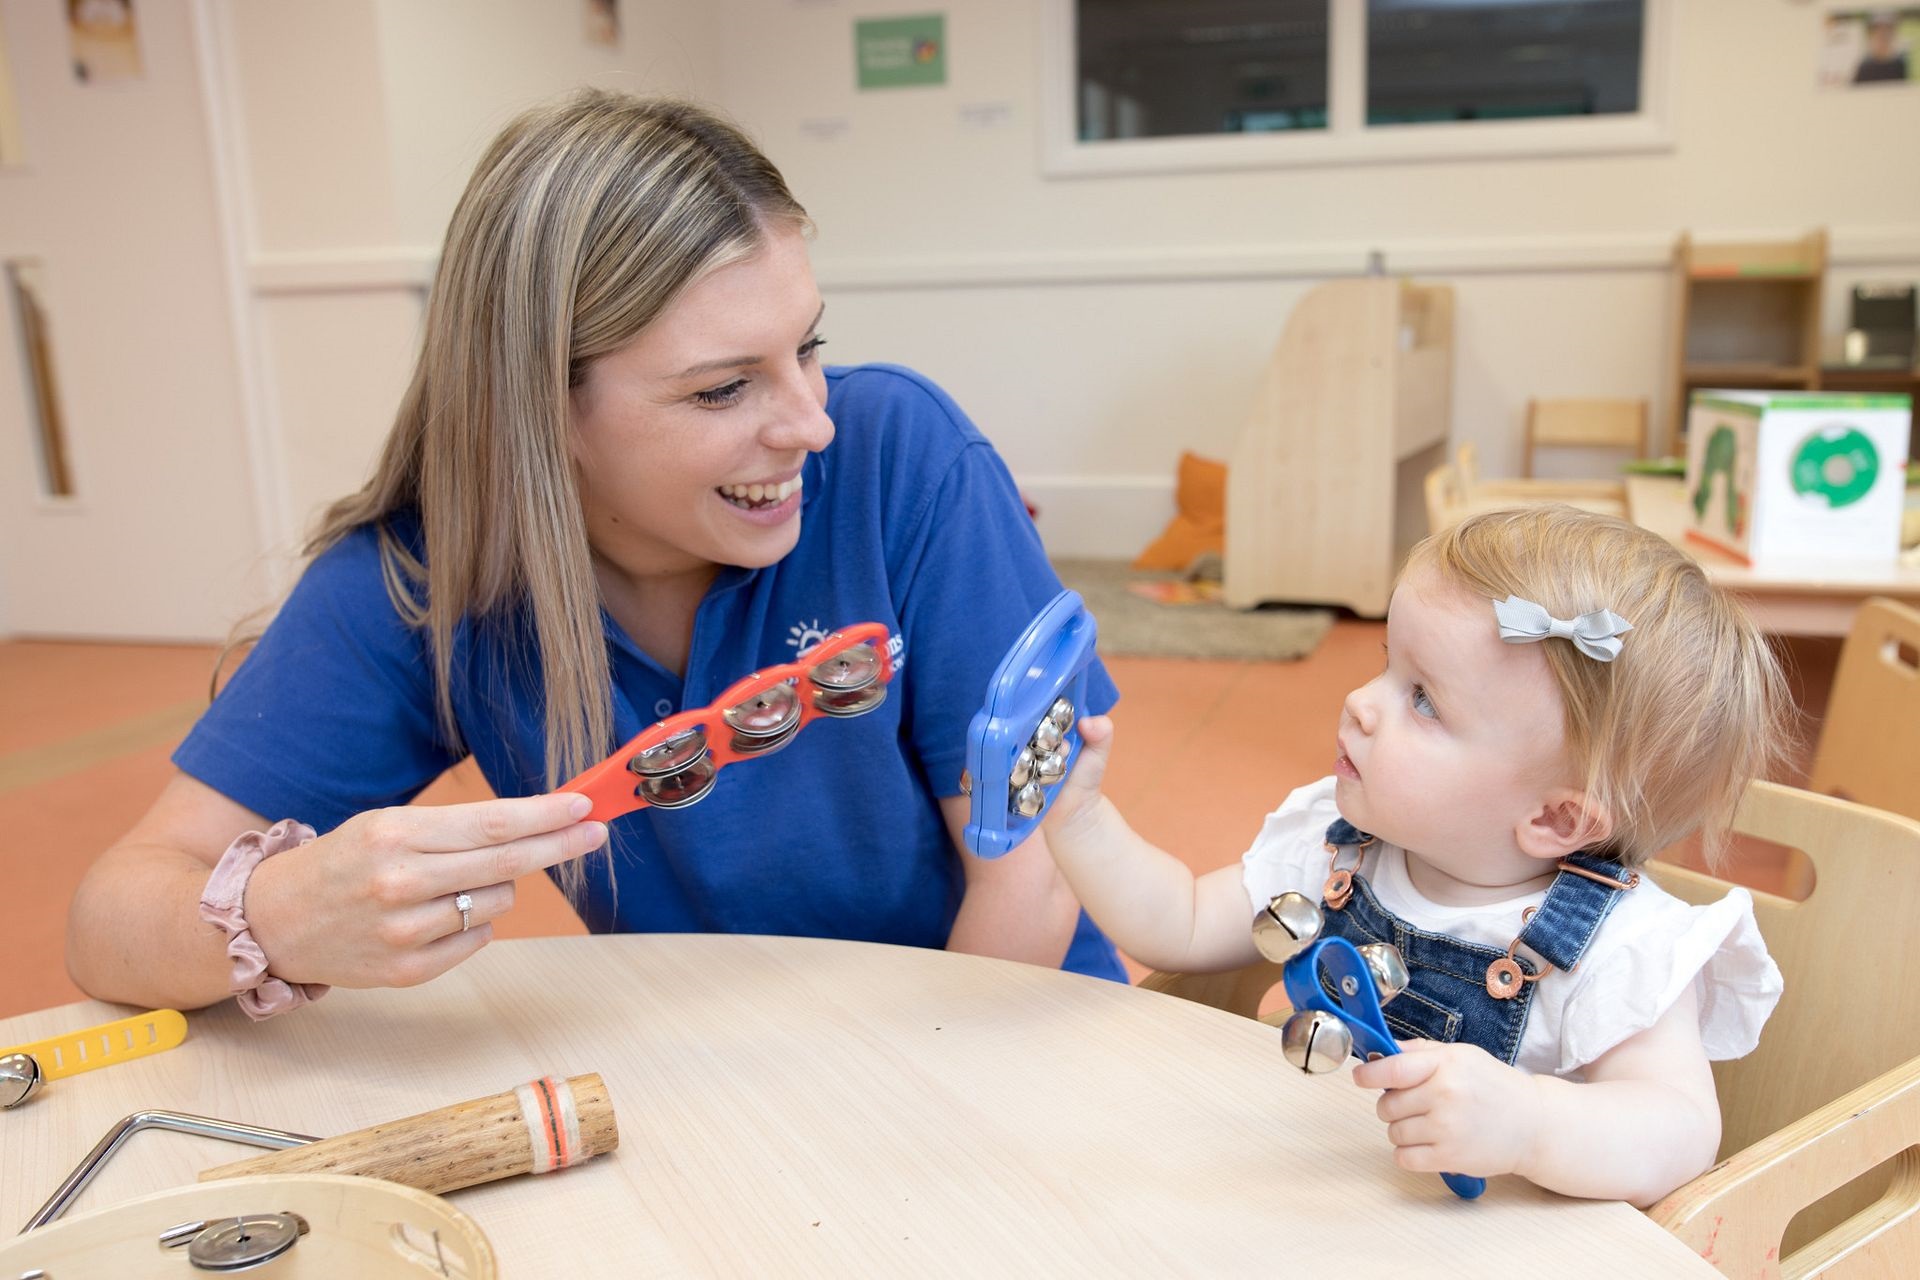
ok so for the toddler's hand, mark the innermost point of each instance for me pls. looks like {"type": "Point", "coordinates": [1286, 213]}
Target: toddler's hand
{"type": "Point", "coordinates": [1079, 792]}
{"type": "Point", "coordinates": [1453, 1108]}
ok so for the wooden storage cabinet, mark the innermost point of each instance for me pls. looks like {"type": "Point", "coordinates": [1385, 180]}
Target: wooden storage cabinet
{"type": "Point", "coordinates": [1324, 487]}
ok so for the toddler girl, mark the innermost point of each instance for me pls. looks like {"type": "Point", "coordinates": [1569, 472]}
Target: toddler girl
{"type": "Point", "coordinates": [1564, 696]}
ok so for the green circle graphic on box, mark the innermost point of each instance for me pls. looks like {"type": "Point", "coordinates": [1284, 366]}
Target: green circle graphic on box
{"type": "Point", "coordinates": [1836, 465]}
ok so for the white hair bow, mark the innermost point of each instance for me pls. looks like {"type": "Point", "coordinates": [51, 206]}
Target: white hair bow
{"type": "Point", "coordinates": [1595, 634]}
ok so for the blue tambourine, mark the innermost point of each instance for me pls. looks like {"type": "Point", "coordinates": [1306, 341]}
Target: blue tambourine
{"type": "Point", "coordinates": [1024, 739]}
{"type": "Point", "coordinates": [1336, 964]}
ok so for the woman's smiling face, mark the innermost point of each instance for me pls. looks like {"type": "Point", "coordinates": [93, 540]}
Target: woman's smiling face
{"type": "Point", "coordinates": [689, 440]}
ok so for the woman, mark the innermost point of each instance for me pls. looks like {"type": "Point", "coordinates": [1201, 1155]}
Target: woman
{"type": "Point", "coordinates": [620, 480]}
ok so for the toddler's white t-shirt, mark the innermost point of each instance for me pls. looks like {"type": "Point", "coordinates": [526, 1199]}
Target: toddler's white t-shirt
{"type": "Point", "coordinates": [1649, 948]}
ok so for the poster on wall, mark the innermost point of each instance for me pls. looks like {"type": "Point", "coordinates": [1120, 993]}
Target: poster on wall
{"type": "Point", "coordinates": [102, 38]}
{"type": "Point", "coordinates": [603, 22]}
{"type": "Point", "coordinates": [1869, 47]}
{"type": "Point", "coordinates": [891, 53]}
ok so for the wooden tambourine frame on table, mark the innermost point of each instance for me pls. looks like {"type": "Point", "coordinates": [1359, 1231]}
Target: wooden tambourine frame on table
{"type": "Point", "coordinates": [323, 1225]}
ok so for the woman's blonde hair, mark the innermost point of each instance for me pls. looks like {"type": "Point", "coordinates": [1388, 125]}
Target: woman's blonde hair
{"type": "Point", "coordinates": [582, 224]}
{"type": "Point", "coordinates": [1670, 732]}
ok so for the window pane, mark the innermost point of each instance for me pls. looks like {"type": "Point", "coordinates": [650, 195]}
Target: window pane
{"type": "Point", "coordinates": [1434, 60]}
{"type": "Point", "coordinates": [1163, 68]}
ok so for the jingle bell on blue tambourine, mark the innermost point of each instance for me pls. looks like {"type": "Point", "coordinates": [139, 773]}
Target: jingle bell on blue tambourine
{"type": "Point", "coordinates": [1023, 741]}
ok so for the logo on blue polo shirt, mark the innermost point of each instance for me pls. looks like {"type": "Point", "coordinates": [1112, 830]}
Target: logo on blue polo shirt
{"type": "Point", "coordinates": [804, 635]}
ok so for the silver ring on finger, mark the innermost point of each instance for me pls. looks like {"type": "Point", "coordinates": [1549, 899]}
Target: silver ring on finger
{"type": "Point", "coordinates": [463, 903]}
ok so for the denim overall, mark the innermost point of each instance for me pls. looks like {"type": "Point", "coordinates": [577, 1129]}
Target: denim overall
{"type": "Point", "coordinates": [1447, 997]}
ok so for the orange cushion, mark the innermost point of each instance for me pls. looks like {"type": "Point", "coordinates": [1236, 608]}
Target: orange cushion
{"type": "Point", "coordinates": [1199, 525]}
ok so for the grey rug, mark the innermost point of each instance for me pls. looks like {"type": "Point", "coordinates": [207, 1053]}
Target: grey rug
{"type": "Point", "coordinates": [1131, 625]}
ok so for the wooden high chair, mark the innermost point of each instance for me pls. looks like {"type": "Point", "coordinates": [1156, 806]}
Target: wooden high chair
{"type": "Point", "coordinates": [1870, 737]}
{"type": "Point", "coordinates": [1833, 1089]}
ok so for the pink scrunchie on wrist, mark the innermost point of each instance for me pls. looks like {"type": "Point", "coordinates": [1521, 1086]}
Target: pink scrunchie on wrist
{"type": "Point", "coordinates": [259, 994]}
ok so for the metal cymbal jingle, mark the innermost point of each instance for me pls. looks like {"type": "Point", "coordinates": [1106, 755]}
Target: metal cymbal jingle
{"type": "Point", "coordinates": [241, 1244]}
{"type": "Point", "coordinates": [848, 670]}
{"type": "Point", "coordinates": [671, 756]}
{"type": "Point", "coordinates": [744, 746]}
{"type": "Point", "coordinates": [847, 703]}
{"type": "Point", "coordinates": [767, 714]}
{"type": "Point", "coordinates": [681, 788]}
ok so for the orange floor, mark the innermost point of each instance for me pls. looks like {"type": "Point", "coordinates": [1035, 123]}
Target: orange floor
{"type": "Point", "coordinates": [1205, 749]}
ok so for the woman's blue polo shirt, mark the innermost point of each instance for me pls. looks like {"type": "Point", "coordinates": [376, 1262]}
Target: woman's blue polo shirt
{"type": "Point", "coordinates": [910, 519]}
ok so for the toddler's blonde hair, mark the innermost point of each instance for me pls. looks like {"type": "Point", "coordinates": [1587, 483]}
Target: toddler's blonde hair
{"type": "Point", "coordinates": [1670, 732]}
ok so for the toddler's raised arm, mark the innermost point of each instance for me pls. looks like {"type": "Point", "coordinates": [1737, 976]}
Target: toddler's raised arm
{"type": "Point", "coordinates": [1147, 900]}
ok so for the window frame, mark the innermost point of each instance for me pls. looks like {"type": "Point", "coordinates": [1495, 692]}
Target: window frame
{"type": "Point", "coordinates": [1347, 139]}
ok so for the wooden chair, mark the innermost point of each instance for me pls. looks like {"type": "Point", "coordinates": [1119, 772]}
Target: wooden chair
{"type": "Point", "coordinates": [1455, 489]}
{"type": "Point", "coordinates": [1445, 496]}
{"type": "Point", "coordinates": [1584, 424]}
{"type": "Point", "coordinates": [1870, 739]}
{"type": "Point", "coordinates": [1833, 1090]}
{"type": "Point", "coordinates": [1608, 497]}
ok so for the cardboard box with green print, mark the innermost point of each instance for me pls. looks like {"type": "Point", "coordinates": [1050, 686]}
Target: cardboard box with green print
{"type": "Point", "coordinates": [1776, 476]}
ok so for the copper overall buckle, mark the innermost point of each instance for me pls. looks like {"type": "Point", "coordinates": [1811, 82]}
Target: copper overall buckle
{"type": "Point", "coordinates": [1339, 886]}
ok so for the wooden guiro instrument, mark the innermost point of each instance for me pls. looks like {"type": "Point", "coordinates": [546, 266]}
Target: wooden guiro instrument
{"type": "Point", "coordinates": [544, 1125]}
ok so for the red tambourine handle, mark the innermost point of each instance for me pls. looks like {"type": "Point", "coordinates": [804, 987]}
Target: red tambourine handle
{"type": "Point", "coordinates": [612, 784]}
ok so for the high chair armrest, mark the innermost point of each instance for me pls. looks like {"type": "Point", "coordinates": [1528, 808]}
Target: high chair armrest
{"type": "Point", "coordinates": [1735, 1214]}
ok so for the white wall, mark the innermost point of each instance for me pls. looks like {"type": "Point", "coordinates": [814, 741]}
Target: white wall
{"type": "Point", "coordinates": [349, 205]}
{"type": "Point", "coordinates": [455, 71]}
{"type": "Point", "coordinates": [1095, 326]}
{"type": "Point", "coordinates": [237, 248]}
{"type": "Point", "coordinates": [117, 199]}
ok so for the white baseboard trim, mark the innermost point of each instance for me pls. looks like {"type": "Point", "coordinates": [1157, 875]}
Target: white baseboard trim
{"type": "Point", "coordinates": [1099, 518]}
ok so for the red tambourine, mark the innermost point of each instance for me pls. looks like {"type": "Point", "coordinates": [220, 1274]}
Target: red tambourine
{"type": "Point", "coordinates": [675, 762]}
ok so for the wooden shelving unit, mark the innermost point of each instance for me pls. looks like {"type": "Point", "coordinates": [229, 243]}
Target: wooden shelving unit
{"type": "Point", "coordinates": [1746, 316]}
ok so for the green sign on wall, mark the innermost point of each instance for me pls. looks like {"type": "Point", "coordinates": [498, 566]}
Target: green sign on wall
{"type": "Point", "coordinates": [891, 52]}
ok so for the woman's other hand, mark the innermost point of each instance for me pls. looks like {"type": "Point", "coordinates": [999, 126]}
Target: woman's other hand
{"type": "Point", "coordinates": [371, 903]}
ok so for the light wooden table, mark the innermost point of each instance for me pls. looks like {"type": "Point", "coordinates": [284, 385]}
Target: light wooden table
{"type": "Point", "coordinates": [1809, 598]}
{"type": "Point", "coordinates": [801, 1107]}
